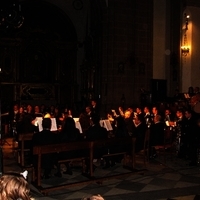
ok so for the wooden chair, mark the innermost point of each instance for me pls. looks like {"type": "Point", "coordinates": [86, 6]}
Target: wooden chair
{"type": "Point", "coordinates": [144, 153]}
{"type": "Point", "coordinates": [22, 138]}
{"type": "Point", "coordinates": [168, 146]}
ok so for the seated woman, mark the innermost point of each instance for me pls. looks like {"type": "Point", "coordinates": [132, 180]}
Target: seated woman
{"type": "Point", "coordinates": [69, 133]}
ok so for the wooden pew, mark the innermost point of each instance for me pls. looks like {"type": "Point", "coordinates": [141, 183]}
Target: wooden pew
{"type": "Point", "coordinates": [91, 146]}
{"type": "Point", "coordinates": [22, 138]}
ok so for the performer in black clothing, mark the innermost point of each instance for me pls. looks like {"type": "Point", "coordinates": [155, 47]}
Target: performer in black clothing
{"type": "Point", "coordinates": [157, 131]}
{"type": "Point", "coordinates": [43, 138]}
{"type": "Point", "coordinates": [190, 137]}
{"type": "Point", "coordinates": [69, 133]}
{"type": "Point", "coordinates": [180, 132]}
{"type": "Point", "coordinates": [157, 134]}
{"type": "Point", "coordinates": [139, 133]}
{"type": "Point", "coordinates": [95, 131]}
{"type": "Point", "coordinates": [147, 116]}
{"type": "Point", "coordinates": [95, 107]}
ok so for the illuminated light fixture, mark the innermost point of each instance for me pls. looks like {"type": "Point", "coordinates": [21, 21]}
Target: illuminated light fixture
{"type": "Point", "coordinates": [185, 50]}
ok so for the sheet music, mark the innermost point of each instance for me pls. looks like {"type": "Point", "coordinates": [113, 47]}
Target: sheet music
{"type": "Point", "coordinates": [78, 125]}
{"type": "Point", "coordinates": [106, 124]}
{"type": "Point", "coordinates": [76, 119]}
{"type": "Point", "coordinates": [38, 123]}
{"type": "Point", "coordinates": [53, 124]}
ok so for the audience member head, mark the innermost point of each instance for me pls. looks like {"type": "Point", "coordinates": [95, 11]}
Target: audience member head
{"type": "Point", "coordinates": [14, 187]}
{"type": "Point", "coordinates": [94, 197]}
{"type": "Point", "coordinates": [46, 123]}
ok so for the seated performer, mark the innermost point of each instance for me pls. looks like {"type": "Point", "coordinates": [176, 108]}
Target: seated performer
{"type": "Point", "coordinates": [139, 133]}
{"type": "Point", "coordinates": [95, 132]}
{"type": "Point", "coordinates": [43, 138]}
{"type": "Point", "coordinates": [69, 133]}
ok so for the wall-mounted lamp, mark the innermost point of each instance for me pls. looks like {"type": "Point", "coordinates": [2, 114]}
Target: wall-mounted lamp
{"type": "Point", "coordinates": [185, 50]}
{"type": "Point", "coordinates": [186, 21]}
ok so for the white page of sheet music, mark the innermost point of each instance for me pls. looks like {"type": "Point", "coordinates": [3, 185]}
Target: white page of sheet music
{"type": "Point", "coordinates": [108, 125]}
{"type": "Point", "coordinates": [78, 125]}
{"type": "Point", "coordinates": [53, 124]}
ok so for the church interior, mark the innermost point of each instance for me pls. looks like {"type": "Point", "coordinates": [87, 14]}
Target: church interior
{"type": "Point", "coordinates": [118, 52]}
{"type": "Point", "coordinates": [67, 52]}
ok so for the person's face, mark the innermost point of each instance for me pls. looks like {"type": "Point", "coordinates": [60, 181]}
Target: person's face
{"type": "Point", "coordinates": [187, 114]}
{"type": "Point", "coordinates": [15, 108]}
{"type": "Point", "coordinates": [154, 110]}
{"type": "Point", "coordinates": [37, 110]}
{"type": "Point", "coordinates": [87, 110]}
{"type": "Point", "coordinates": [127, 114]}
{"type": "Point", "coordinates": [146, 110]}
{"type": "Point", "coordinates": [179, 114]}
{"type": "Point", "coordinates": [167, 112]}
{"type": "Point", "coordinates": [21, 110]}
{"type": "Point", "coordinates": [93, 103]}
{"type": "Point", "coordinates": [138, 110]}
{"type": "Point", "coordinates": [69, 112]}
{"type": "Point", "coordinates": [56, 110]}
{"type": "Point", "coordinates": [137, 121]}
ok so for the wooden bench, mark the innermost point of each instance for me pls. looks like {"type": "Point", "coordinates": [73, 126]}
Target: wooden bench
{"type": "Point", "coordinates": [23, 138]}
{"type": "Point", "coordinates": [91, 146]}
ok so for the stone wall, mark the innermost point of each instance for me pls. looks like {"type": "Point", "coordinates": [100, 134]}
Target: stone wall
{"type": "Point", "coordinates": [127, 51]}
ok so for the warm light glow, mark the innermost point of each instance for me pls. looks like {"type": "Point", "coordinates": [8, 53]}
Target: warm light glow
{"type": "Point", "coordinates": [185, 50]}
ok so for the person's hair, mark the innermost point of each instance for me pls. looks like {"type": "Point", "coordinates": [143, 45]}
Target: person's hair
{"type": "Point", "coordinates": [14, 187]}
{"type": "Point", "coordinates": [95, 118]}
{"type": "Point", "coordinates": [69, 124]}
{"type": "Point", "coordinates": [94, 197]}
{"type": "Point", "coordinates": [46, 123]}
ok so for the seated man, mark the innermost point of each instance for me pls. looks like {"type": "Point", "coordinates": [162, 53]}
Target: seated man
{"type": "Point", "coordinates": [95, 132]}
{"type": "Point", "coordinates": [43, 138]}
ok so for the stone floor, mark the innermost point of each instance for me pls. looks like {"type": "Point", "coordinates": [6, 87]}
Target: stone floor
{"type": "Point", "coordinates": [170, 180]}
